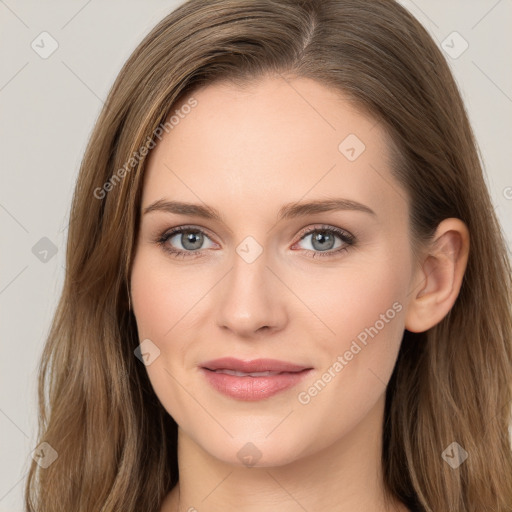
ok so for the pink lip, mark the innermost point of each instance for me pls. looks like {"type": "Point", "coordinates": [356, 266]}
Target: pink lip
{"type": "Point", "coordinates": [251, 388]}
{"type": "Point", "coordinates": [256, 365]}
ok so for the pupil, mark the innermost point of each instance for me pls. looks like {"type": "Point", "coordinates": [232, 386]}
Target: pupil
{"type": "Point", "coordinates": [191, 240]}
{"type": "Point", "coordinates": [323, 240]}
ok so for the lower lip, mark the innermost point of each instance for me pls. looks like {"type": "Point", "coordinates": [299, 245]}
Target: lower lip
{"type": "Point", "coordinates": [253, 388]}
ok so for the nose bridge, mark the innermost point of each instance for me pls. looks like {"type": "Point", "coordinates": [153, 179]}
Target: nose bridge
{"type": "Point", "coordinates": [248, 276]}
{"type": "Point", "coordinates": [248, 299]}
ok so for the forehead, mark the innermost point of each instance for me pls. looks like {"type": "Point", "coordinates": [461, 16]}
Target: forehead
{"type": "Point", "coordinates": [273, 141]}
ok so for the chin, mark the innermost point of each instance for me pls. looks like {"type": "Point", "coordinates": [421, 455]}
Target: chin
{"type": "Point", "coordinates": [254, 452]}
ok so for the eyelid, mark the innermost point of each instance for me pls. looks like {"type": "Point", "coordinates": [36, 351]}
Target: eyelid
{"type": "Point", "coordinates": [169, 233]}
{"type": "Point", "coordinates": [348, 241]}
{"type": "Point", "coordinates": [302, 233]}
{"type": "Point", "coordinates": [186, 227]}
{"type": "Point", "coordinates": [345, 236]}
{"type": "Point", "coordinates": [342, 233]}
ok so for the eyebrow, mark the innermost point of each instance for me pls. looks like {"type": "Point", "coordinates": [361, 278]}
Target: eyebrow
{"type": "Point", "coordinates": [288, 211]}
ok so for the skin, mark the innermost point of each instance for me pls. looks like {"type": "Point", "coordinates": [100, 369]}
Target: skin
{"type": "Point", "coordinates": [246, 152]}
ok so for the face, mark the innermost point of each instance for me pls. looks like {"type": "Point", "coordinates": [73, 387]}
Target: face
{"type": "Point", "coordinates": [323, 287]}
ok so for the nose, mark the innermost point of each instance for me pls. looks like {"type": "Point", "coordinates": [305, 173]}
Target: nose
{"type": "Point", "coordinates": [251, 299]}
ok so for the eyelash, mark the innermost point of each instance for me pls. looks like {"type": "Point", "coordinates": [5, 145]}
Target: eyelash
{"type": "Point", "coordinates": [347, 238]}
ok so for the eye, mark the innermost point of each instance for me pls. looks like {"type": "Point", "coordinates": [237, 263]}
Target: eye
{"type": "Point", "coordinates": [326, 241]}
{"type": "Point", "coordinates": [188, 241]}
{"type": "Point", "coordinates": [184, 241]}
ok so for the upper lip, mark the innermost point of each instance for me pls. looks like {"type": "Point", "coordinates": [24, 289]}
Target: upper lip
{"type": "Point", "coordinates": [256, 365]}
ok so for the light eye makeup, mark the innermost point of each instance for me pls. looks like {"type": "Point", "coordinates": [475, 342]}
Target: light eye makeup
{"type": "Point", "coordinates": [323, 241]}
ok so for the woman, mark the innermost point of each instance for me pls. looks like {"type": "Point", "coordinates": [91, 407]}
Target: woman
{"type": "Point", "coordinates": [286, 288]}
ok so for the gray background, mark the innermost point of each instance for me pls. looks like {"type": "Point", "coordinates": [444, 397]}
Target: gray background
{"type": "Point", "coordinates": [48, 108]}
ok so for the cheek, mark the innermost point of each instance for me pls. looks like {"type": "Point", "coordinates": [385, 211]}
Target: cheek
{"type": "Point", "coordinates": [159, 300]}
{"type": "Point", "coordinates": [355, 296]}
{"type": "Point", "coordinates": [161, 296]}
{"type": "Point", "coordinates": [364, 310]}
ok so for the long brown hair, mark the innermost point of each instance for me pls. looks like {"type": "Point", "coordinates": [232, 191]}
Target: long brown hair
{"type": "Point", "coordinates": [116, 444]}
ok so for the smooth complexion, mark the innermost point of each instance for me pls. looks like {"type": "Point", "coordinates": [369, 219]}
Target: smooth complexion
{"type": "Point", "coordinates": [248, 152]}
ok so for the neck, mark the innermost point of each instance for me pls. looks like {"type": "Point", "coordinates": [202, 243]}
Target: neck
{"type": "Point", "coordinates": [346, 476]}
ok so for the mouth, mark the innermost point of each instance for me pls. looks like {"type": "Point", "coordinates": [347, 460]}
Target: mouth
{"type": "Point", "coordinates": [246, 374]}
{"type": "Point", "coordinates": [253, 366]}
{"type": "Point", "coordinates": [252, 380]}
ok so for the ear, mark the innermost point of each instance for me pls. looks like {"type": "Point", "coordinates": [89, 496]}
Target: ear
{"type": "Point", "coordinates": [437, 281]}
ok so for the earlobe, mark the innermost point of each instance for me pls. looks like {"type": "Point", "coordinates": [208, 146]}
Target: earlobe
{"type": "Point", "coordinates": [437, 282]}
